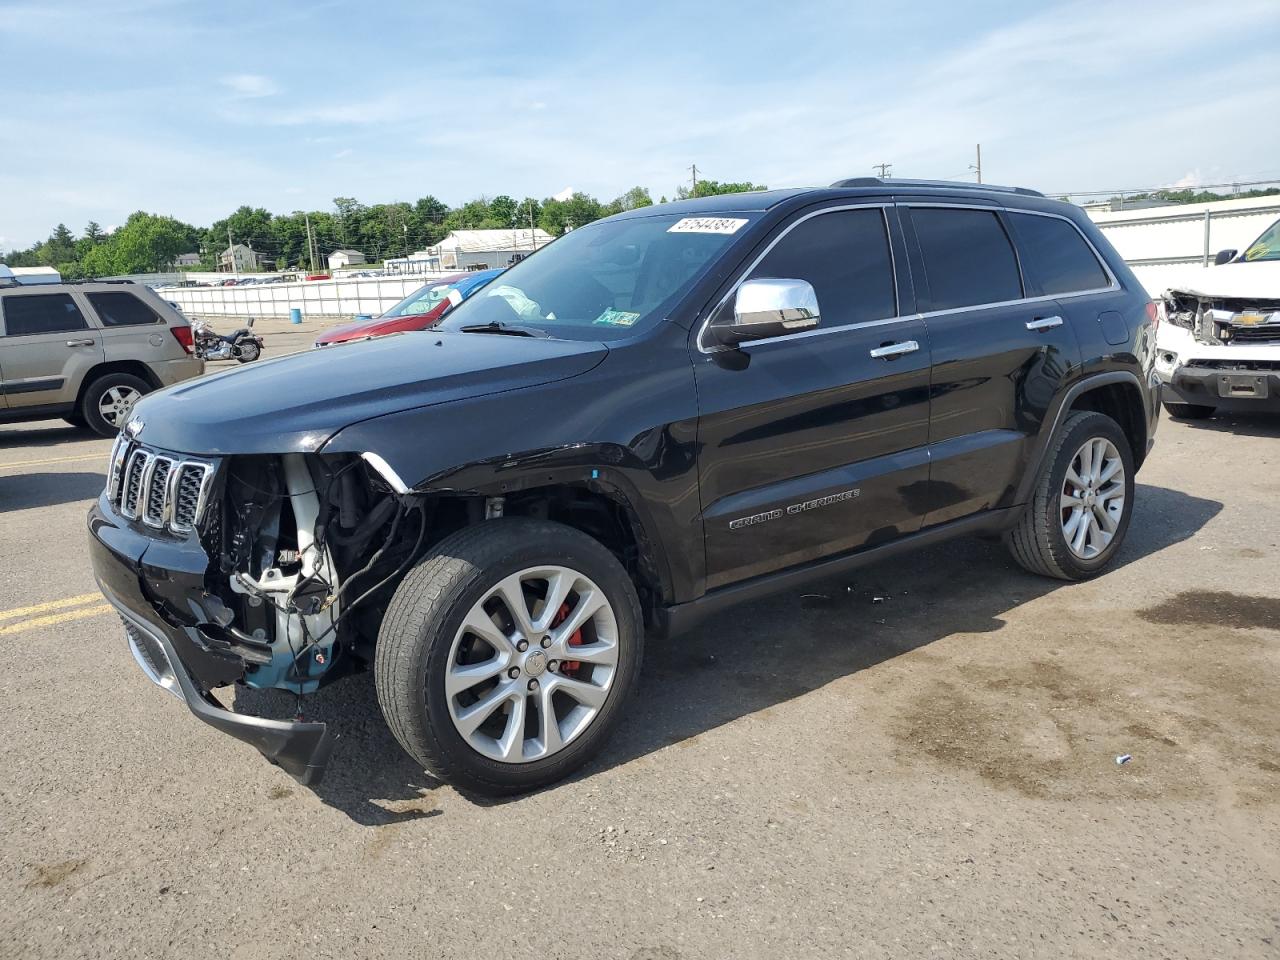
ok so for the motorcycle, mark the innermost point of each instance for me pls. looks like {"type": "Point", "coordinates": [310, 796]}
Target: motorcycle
{"type": "Point", "coordinates": [243, 345]}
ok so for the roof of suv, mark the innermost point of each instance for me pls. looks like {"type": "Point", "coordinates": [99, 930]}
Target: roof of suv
{"type": "Point", "coordinates": [761, 200]}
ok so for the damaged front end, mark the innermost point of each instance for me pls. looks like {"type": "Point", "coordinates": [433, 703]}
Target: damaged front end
{"type": "Point", "coordinates": [1217, 351]}
{"type": "Point", "coordinates": [1218, 321]}
{"type": "Point", "coordinates": [258, 570]}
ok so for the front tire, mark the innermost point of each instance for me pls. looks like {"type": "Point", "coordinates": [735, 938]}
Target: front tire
{"type": "Point", "coordinates": [108, 401]}
{"type": "Point", "coordinates": [1080, 508]}
{"type": "Point", "coordinates": [1189, 411]}
{"type": "Point", "coordinates": [506, 656]}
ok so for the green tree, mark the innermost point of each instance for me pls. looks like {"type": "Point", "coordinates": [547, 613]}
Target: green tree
{"type": "Point", "coordinates": [557, 216]}
{"type": "Point", "coordinates": [147, 243]}
{"type": "Point", "coordinates": [503, 210]}
{"type": "Point", "coordinates": [712, 188]}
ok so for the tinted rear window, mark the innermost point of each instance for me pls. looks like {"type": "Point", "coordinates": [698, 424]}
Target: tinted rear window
{"type": "Point", "coordinates": [845, 257]}
{"type": "Point", "coordinates": [967, 258]}
{"type": "Point", "coordinates": [1055, 255]}
{"type": "Point", "coordinates": [122, 310]}
{"type": "Point", "coordinates": [41, 313]}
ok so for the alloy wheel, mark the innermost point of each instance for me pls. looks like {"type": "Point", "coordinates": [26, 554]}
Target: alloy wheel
{"type": "Point", "coordinates": [532, 664]}
{"type": "Point", "coordinates": [116, 404]}
{"type": "Point", "coordinates": [1092, 500]}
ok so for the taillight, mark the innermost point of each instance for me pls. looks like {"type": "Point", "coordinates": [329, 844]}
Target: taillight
{"type": "Point", "coordinates": [183, 336]}
{"type": "Point", "coordinates": [1153, 314]}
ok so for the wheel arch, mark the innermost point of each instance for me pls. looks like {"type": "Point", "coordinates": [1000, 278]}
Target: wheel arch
{"type": "Point", "coordinates": [134, 368]}
{"type": "Point", "coordinates": [1117, 394]}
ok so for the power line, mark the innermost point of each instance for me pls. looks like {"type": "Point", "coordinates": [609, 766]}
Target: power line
{"type": "Point", "coordinates": [1161, 189]}
{"type": "Point", "coordinates": [886, 169]}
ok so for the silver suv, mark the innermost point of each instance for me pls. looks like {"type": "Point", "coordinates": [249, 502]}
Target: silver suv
{"type": "Point", "coordinates": [87, 351]}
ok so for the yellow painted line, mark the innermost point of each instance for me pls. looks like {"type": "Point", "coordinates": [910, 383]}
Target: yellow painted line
{"type": "Point", "coordinates": [51, 605]}
{"type": "Point", "coordinates": [53, 618]}
{"type": "Point", "coordinates": [34, 463]}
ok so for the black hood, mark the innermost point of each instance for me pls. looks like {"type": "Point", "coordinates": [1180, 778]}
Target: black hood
{"type": "Point", "coordinates": [295, 403]}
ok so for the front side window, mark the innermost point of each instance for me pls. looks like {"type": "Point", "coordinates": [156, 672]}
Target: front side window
{"type": "Point", "coordinates": [968, 259]}
{"type": "Point", "coordinates": [1267, 246]}
{"type": "Point", "coordinates": [606, 281]}
{"type": "Point", "coordinates": [122, 310]}
{"type": "Point", "coordinates": [33, 313]}
{"type": "Point", "coordinates": [1054, 253]}
{"type": "Point", "coordinates": [844, 255]}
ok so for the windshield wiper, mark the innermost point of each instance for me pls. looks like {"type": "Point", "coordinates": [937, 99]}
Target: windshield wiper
{"type": "Point", "coordinates": [505, 329]}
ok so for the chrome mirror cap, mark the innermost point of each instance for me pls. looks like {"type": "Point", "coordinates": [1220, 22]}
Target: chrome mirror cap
{"type": "Point", "coordinates": [769, 308]}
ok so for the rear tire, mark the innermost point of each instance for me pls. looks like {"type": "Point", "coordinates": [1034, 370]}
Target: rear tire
{"type": "Point", "coordinates": [108, 402]}
{"type": "Point", "coordinates": [1060, 505]}
{"type": "Point", "coordinates": [1189, 411]}
{"type": "Point", "coordinates": [426, 642]}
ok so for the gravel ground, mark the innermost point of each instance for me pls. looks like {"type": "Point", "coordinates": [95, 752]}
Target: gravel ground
{"type": "Point", "coordinates": [811, 775]}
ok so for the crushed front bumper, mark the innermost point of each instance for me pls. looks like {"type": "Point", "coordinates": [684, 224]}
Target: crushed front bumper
{"type": "Point", "coordinates": [1229, 387]}
{"type": "Point", "coordinates": [174, 658]}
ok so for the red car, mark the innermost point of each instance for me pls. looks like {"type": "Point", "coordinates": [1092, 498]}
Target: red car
{"type": "Point", "coordinates": [418, 311]}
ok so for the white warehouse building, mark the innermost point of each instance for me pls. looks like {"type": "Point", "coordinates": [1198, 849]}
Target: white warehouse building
{"type": "Point", "coordinates": [482, 249]}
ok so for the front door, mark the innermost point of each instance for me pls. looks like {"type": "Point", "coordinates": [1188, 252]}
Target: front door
{"type": "Point", "coordinates": [46, 348]}
{"type": "Point", "coordinates": [814, 443]}
{"type": "Point", "coordinates": [999, 357]}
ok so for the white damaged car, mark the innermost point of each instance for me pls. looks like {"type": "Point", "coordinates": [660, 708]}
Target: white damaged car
{"type": "Point", "coordinates": [1218, 346]}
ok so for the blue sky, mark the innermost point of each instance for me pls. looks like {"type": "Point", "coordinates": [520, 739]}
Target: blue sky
{"type": "Point", "coordinates": [191, 109]}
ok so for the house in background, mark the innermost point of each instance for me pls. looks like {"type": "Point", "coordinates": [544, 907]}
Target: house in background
{"type": "Point", "coordinates": [237, 259]}
{"type": "Point", "coordinates": [346, 258]}
{"type": "Point", "coordinates": [184, 260]}
{"type": "Point", "coordinates": [482, 249]}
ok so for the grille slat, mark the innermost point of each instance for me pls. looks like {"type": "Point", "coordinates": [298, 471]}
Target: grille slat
{"type": "Point", "coordinates": [160, 490]}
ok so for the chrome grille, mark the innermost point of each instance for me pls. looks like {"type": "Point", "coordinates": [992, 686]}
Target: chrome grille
{"type": "Point", "coordinates": [160, 490]}
{"type": "Point", "coordinates": [188, 500]}
{"type": "Point", "coordinates": [157, 485]}
{"type": "Point", "coordinates": [135, 468]}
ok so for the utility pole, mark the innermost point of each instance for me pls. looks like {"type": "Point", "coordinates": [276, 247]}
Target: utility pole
{"type": "Point", "coordinates": [311, 244]}
{"type": "Point", "coordinates": [533, 237]}
{"type": "Point", "coordinates": [694, 169]}
{"type": "Point", "coordinates": [886, 169]}
{"type": "Point", "coordinates": [978, 166]}
{"type": "Point", "coordinates": [230, 251]}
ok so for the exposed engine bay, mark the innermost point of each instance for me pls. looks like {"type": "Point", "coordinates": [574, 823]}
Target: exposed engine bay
{"type": "Point", "coordinates": [1218, 321]}
{"type": "Point", "coordinates": [303, 545]}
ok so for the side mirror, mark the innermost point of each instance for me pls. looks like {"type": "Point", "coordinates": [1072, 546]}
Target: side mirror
{"type": "Point", "coordinates": [769, 308]}
{"type": "Point", "coordinates": [1224, 256]}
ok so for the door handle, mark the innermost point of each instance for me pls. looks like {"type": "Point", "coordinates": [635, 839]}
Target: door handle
{"type": "Point", "coordinates": [1044, 323]}
{"type": "Point", "coordinates": [80, 343]}
{"type": "Point", "coordinates": [889, 351]}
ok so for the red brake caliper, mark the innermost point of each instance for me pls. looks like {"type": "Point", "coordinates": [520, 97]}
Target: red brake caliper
{"type": "Point", "coordinates": [568, 666]}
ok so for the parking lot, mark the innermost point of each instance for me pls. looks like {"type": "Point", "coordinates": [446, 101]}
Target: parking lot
{"type": "Point", "coordinates": [920, 758]}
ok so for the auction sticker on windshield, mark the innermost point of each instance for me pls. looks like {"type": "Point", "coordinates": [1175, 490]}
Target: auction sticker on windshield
{"type": "Point", "coordinates": [617, 318]}
{"type": "Point", "coordinates": [707, 225]}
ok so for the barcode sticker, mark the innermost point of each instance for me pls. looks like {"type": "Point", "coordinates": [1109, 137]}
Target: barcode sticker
{"type": "Point", "coordinates": [707, 225]}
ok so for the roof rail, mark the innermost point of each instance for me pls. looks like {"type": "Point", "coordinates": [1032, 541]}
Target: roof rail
{"type": "Point", "coordinates": [948, 184]}
{"type": "Point", "coordinates": [91, 280]}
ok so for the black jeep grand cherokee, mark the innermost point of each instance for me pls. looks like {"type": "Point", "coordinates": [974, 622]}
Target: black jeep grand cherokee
{"type": "Point", "coordinates": [657, 415]}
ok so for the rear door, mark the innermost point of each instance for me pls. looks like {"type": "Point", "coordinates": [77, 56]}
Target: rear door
{"type": "Point", "coordinates": [1000, 353]}
{"type": "Point", "coordinates": [47, 346]}
{"type": "Point", "coordinates": [814, 443]}
{"type": "Point", "coordinates": [132, 329]}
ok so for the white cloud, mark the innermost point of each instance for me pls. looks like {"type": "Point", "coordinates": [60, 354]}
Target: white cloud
{"type": "Point", "coordinates": [343, 153]}
{"type": "Point", "coordinates": [250, 86]}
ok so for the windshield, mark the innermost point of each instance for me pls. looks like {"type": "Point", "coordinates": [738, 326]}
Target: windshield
{"type": "Point", "coordinates": [422, 300]}
{"type": "Point", "coordinates": [1267, 246]}
{"type": "Point", "coordinates": [604, 281]}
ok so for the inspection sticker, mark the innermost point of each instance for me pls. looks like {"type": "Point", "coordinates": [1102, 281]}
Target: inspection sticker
{"type": "Point", "coordinates": [707, 225]}
{"type": "Point", "coordinates": [617, 318]}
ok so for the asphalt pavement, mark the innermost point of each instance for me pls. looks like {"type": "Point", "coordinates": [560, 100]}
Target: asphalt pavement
{"type": "Point", "coordinates": [916, 760]}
